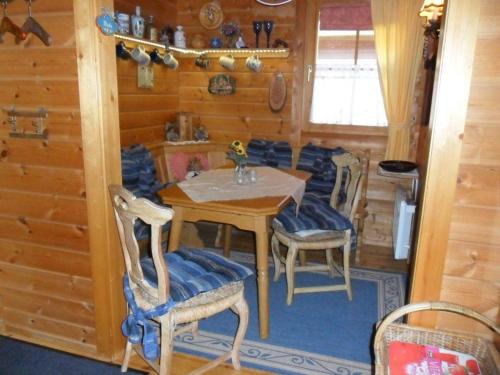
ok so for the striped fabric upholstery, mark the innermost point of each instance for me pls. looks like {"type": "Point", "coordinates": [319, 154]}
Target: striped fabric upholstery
{"type": "Point", "coordinates": [318, 161]}
{"type": "Point", "coordinates": [139, 176]}
{"type": "Point", "coordinates": [194, 271]}
{"type": "Point", "coordinates": [314, 214]}
{"type": "Point", "coordinates": [268, 153]}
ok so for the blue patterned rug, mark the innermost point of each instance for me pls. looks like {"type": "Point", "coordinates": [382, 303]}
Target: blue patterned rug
{"type": "Point", "coordinates": [320, 333]}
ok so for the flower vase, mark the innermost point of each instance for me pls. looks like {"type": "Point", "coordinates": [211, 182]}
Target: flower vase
{"type": "Point", "coordinates": [240, 174]}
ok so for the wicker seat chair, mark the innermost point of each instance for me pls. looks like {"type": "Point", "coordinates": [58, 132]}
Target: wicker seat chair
{"type": "Point", "coordinates": [322, 239]}
{"type": "Point", "coordinates": [169, 293]}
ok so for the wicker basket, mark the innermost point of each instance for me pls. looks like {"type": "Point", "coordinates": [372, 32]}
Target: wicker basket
{"type": "Point", "coordinates": [388, 331]}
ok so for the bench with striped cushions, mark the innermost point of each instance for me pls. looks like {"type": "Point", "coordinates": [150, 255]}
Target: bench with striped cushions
{"type": "Point", "coordinates": [269, 153]}
{"type": "Point", "coordinates": [318, 161]}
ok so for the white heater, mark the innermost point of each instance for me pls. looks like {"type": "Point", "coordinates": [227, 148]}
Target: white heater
{"type": "Point", "coordinates": [402, 227]}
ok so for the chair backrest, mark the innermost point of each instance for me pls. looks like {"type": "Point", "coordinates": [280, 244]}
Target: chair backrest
{"type": "Point", "coordinates": [128, 209]}
{"type": "Point", "coordinates": [353, 183]}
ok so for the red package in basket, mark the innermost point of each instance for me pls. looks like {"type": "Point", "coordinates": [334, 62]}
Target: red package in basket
{"type": "Point", "coordinates": [413, 359]}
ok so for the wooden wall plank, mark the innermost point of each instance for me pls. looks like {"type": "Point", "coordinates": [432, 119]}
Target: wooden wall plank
{"type": "Point", "coordinates": [50, 258]}
{"type": "Point", "coordinates": [46, 290]}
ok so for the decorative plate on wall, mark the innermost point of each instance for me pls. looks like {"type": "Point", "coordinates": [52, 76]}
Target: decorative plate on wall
{"type": "Point", "coordinates": [211, 15]}
{"type": "Point", "coordinates": [222, 84]}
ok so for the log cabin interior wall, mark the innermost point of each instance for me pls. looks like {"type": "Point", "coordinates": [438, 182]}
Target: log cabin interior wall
{"type": "Point", "coordinates": [472, 265]}
{"type": "Point", "coordinates": [144, 112]}
{"type": "Point", "coordinates": [45, 277]}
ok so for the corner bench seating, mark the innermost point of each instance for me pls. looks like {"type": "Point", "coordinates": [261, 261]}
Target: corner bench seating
{"type": "Point", "coordinates": [216, 153]}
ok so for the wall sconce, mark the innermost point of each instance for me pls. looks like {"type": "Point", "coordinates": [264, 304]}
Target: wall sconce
{"type": "Point", "coordinates": [431, 10]}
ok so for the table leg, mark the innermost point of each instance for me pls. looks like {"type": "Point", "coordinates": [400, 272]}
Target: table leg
{"type": "Point", "coordinates": [262, 250]}
{"type": "Point", "coordinates": [228, 229]}
{"type": "Point", "coordinates": [175, 229]}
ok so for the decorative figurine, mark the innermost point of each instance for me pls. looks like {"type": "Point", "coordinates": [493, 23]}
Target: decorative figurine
{"type": "Point", "coordinates": [172, 132]}
{"type": "Point", "coordinates": [240, 43]}
{"type": "Point", "coordinates": [180, 38]}
{"type": "Point", "coordinates": [201, 134]}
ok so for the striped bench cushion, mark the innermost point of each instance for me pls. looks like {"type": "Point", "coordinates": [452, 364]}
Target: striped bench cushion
{"type": "Point", "coordinates": [194, 271]}
{"type": "Point", "coordinates": [268, 153]}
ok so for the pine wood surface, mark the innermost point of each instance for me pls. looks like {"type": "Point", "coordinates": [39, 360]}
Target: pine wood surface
{"type": "Point", "coordinates": [472, 263]}
{"type": "Point", "coordinates": [45, 278]}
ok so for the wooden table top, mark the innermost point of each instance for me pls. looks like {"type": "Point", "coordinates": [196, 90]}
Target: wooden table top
{"type": "Point", "coordinates": [174, 195]}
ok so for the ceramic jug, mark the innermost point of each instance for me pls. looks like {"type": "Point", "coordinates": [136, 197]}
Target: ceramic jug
{"type": "Point", "coordinates": [180, 38]}
{"type": "Point", "coordinates": [138, 23]}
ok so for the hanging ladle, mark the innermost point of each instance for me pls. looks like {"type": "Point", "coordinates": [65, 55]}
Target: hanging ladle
{"type": "Point", "coordinates": [32, 26]}
{"type": "Point", "coordinates": [7, 26]}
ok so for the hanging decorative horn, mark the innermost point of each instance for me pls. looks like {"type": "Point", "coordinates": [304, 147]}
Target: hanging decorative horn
{"type": "Point", "coordinates": [32, 26]}
{"type": "Point", "coordinates": [7, 26]}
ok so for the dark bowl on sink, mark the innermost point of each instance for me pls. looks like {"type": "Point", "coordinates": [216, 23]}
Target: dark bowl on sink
{"type": "Point", "coordinates": [397, 166]}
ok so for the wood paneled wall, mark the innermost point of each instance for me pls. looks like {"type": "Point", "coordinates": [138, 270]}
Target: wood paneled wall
{"type": "Point", "coordinates": [472, 267]}
{"type": "Point", "coordinates": [144, 112]}
{"type": "Point", "coordinates": [45, 282]}
{"type": "Point", "coordinates": [246, 114]}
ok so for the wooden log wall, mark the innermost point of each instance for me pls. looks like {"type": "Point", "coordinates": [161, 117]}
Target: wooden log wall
{"type": "Point", "coordinates": [144, 112]}
{"type": "Point", "coordinates": [45, 283]}
{"type": "Point", "coordinates": [246, 114]}
{"type": "Point", "coordinates": [472, 267]}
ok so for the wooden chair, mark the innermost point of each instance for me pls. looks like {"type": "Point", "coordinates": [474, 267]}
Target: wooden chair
{"type": "Point", "coordinates": [322, 240]}
{"type": "Point", "coordinates": [160, 297]}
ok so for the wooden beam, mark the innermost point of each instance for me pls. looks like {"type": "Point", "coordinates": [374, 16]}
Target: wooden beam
{"type": "Point", "coordinates": [448, 115]}
{"type": "Point", "coordinates": [101, 151]}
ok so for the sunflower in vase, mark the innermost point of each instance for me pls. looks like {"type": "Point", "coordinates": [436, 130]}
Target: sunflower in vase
{"type": "Point", "coordinates": [238, 154]}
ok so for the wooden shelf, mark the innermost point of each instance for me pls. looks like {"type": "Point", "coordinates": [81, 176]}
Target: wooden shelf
{"type": "Point", "coordinates": [209, 52]}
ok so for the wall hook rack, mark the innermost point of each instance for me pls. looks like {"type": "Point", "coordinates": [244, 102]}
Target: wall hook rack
{"type": "Point", "coordinates": [38, 123]}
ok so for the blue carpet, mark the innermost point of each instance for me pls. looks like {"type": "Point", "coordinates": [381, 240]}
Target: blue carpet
{"type": "Point", "coordinates": [20, 358]}
{"type": "Point", "coordinates": [320, 333]}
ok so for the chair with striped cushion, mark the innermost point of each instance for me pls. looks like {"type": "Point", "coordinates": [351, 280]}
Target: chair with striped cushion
{"type": "Point", "coordinates": [320, 226]}
{"type": "Point", "coordinates": [169, 293]}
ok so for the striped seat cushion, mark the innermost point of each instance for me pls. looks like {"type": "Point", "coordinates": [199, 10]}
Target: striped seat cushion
{"type": "Point", "coordinates": [194, 271]}
{"type": "Point", "coordinates": [314, 214]}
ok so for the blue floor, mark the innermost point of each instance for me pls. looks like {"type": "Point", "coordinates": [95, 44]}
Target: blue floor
{"type": "Point", "coordinates": [20, 358]}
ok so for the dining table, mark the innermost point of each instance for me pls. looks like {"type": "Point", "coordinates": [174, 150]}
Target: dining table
{"type": "Point", "coordinates": [254, 214]}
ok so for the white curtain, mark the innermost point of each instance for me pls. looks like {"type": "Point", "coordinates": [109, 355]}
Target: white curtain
{"type": "Point", "coordinates": [398, 42]}
{"type": "Point", "coordinates": [347, 94]}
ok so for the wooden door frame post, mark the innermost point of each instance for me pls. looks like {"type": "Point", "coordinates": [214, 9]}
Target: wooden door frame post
{"type": "Point", "coordinates": [446, 127]}
{"type": "Point", "coordinates": [98, 91]}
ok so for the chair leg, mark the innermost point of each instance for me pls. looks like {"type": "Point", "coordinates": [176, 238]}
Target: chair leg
{"type": "Point", "coordinates": [126, 357]}
{"type": "Point", "coordinates": [241, 308]}
{"type": "Point", "coordinates": [347, 276]}
{"type": "Point", "coordinates": [291, 257]}
{"type": "Point", "coordinates": [167, 336]}
{"type": "Point", "coordinates": [275, 247]}
{"type": "Point", "coordinates": [330, 262]}
{"type": "Point", "coordinates": [228, 229]}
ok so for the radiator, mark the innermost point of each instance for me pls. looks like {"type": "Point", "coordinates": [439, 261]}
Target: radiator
{"type": "Point", "coordinates": [402, 227]}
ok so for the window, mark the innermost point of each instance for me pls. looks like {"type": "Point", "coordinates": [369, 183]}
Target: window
{"type": "Point", "coordinates": [346, 88]}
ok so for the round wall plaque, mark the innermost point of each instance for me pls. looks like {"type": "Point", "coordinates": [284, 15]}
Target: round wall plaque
{"type": "Point", "coordinates": [211, 15]}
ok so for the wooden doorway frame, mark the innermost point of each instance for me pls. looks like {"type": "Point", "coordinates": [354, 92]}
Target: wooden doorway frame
{"type": "Point", "coordinates": [98, 91]}
{"type": "Point", "coordinates": [448, 115]}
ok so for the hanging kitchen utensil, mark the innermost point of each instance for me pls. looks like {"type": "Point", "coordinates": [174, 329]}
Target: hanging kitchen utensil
{"type": "Point", "coordinates": [277, 92]}
{"type": "Point", "coordinates": [32, 26]}
{"type": "Point", "coordinates": [7, 26]}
